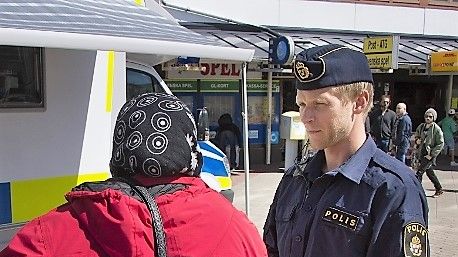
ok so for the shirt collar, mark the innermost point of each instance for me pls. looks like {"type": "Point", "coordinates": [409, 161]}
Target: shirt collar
{"type": "Point", "coordinates": [352, 169]}
{"type": "Point", "coordinates": [314, 167]}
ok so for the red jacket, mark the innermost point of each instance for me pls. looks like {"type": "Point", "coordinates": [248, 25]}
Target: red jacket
{"type": "Point", "coordinates": [197, 222]}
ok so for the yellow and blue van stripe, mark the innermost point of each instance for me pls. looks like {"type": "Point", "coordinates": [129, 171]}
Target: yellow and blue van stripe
{"type": "Point", "coordinates": [5, 203]}
{"type": "Point", "coordinates": [23, 200]}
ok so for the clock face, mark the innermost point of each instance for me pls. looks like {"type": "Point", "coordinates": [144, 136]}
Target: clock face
{"type": "Point", "coordinates": [282, 49]}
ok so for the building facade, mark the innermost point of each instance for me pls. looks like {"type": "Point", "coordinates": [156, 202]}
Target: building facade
{"type": "Point", "coordinates": [421, 27]}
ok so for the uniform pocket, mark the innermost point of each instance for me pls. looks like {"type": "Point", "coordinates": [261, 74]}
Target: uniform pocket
{"type": "Point", "coordinates": [285, 212]}
{"type": "Point", "coordinates": [284, 226]}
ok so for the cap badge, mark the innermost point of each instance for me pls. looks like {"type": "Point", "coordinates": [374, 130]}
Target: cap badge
{"type": "Point", "coordinates": [301, 71]}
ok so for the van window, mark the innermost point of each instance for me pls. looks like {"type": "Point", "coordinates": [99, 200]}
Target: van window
{"type": "Point", "coordinates": [21, 77]}
{"type": "Point", "coordinates": [140, 82]}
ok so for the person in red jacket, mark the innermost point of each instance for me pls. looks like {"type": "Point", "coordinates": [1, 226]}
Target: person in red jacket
{"type": "Point", "coordinates": [155, 156]}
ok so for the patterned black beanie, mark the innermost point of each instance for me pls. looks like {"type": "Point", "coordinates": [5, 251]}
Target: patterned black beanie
{"type": "Point", "coordinates": [155, 135]}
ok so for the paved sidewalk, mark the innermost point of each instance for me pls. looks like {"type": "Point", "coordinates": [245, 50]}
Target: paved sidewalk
{"type": "Point", "coordinates": [443, 211]}
{"type": "Point", "coordinates": [443, 215]}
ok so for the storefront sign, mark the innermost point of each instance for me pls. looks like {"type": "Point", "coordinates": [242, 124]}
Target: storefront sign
{"type": "Point", "coordinates": [222, 69]}
{"type": "Point", "coordinates": [182, 85]}
{"type": "Point", "coordinates": [445, 61]}
{"type": "Point", "coordinates": [219, 86]}
{"type": "Point", "coordinates": [454, 103]}
{"type": "Point", "coordinates": [228, 70]}
{"type": "Point", "coordinates": [382, 52]}
{"type": "Point", "coordinates": [209, 70]}
{"type": "Point", "coordinates": [261, 86]}
{"type": "Point", "coordinates": [378, 45]}
{"type": "Point", "coordinates": [254, 86]}
{"type": "Point", "coordinates": [380, 61]}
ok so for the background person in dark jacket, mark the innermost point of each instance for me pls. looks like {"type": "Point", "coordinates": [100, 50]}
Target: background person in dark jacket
{"type": "Point", "coordinates": [154, 148]}
{"type": "Point", "coordinates": [402, 132]}
{"type": "Point", "coordinates": [229, 139]}
{"type": "Point", "coordinates": [382, 123]}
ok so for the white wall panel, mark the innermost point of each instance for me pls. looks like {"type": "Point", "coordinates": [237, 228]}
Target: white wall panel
{"type": "Point", "coordinates": [257, 12]}
{"type": "Point", "coordinates": [332, 15]}
{"type": "Point", "coordinates": [316, 14]}
{"type": "Point", "coordinates": [49, 142]}
{"type": "Point", "coordinates": [389, 19]}
{"type": "Point", "coordinates": [441, 22]}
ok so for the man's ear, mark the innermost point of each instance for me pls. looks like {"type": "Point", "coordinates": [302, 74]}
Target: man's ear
{"type": "Point", "coordinates": [361, 102]}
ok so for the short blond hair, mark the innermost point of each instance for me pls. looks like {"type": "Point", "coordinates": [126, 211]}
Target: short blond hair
{"type": "Point", "coordinates": [351, 91]}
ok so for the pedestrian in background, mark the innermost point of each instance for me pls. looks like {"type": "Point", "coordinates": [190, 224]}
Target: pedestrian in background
{"type": "Point", "coordinates": [228, 139]}
{"type": "Point", "coordinates": [430, 141]}
{"type": "Point", "coordinates": [351, 199]}
{"type": "Point", "coordinates": [367, 125]}
{"type": "Point", "coordinates": [402, 132]}
{"type": "Point", "coordinates": [382, 123]}
{"type": "Point", "coordinates": [448, 126]}
{"type": "Point", "coordinates": [155, 204]}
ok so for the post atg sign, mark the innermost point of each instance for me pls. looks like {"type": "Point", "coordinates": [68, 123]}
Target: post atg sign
{"type": "Point", "coordinates": [382, 52]}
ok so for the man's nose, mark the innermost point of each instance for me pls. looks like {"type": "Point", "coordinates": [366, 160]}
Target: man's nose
{"type": "Point", "coordinates": [306, 116]}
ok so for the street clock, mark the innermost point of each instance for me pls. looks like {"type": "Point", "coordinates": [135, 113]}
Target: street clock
{"type": "Point", "coordinates": [281, 50]}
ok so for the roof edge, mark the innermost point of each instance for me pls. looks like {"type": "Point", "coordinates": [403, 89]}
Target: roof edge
{"type": "Point", "coordinates": [66, 40]}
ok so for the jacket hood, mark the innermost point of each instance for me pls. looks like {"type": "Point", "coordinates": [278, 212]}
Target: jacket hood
{"type": "Point", "coordinates": [111, 214]}
{"type": "Point", "coordinates": [119, 224]}
{"type": "Point", "coordinates": [102, 219]}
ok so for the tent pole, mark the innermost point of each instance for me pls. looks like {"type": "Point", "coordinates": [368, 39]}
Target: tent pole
{"type": "Point", "coordinates": [269, 116]}
{"type": "Point", "coordinates": [246, 152]}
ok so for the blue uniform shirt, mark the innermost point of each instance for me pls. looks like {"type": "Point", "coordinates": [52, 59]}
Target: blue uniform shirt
{"type": "Point", "coordinates": [370, 206]}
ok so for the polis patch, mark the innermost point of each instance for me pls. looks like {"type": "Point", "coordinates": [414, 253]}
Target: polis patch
{"type": "Point", "coordinates": [340, 218]}
{"type": "Point", "coordinates": [415, 239]}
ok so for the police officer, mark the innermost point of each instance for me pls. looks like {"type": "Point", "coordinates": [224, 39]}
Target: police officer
{"type": "Point", "coordinates": [351, 199]}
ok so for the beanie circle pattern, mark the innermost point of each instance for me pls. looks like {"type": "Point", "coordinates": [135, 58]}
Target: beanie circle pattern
{"type": "Point", "coordinates": [155, 135]}
{"type": "Point", "coordinates": [161, 122]}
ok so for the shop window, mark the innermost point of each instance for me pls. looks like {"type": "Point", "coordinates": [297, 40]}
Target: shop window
{"type": "Point", "coordinates": [188, 100]}
{"type": "Point", "coordinates": [258, 109]}
{"type": "Point", "coordinates": [21, 77]}
{"type": "Point", "coordinates": [218, 105]}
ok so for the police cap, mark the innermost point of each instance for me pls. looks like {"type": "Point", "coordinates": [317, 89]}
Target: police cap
{"type": "Point", "coordinates": [330, 65]}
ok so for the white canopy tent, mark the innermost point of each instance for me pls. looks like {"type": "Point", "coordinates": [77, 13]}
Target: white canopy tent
{"type": "Point", "coordinates": [117, 25]}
